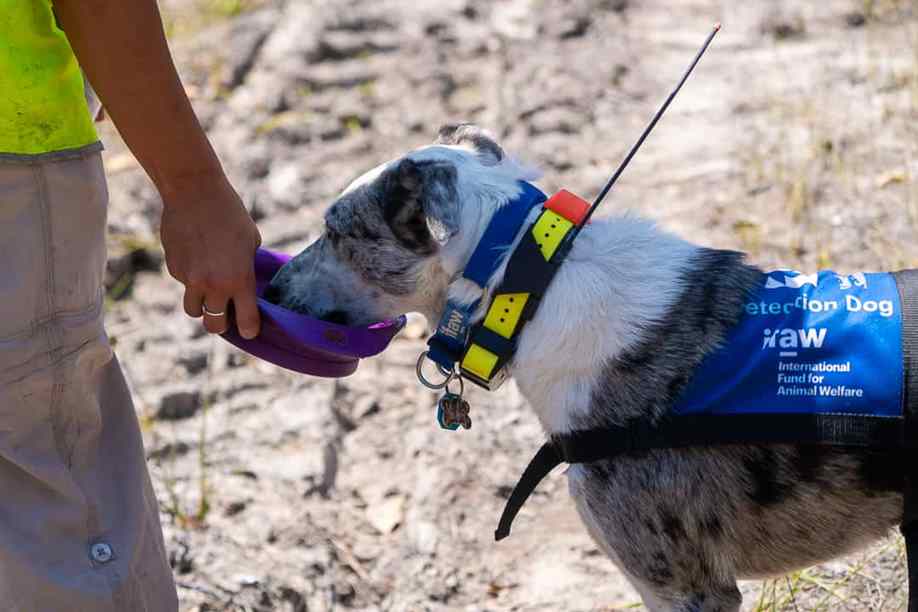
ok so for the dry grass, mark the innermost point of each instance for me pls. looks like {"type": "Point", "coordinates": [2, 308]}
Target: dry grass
{"type": "Point", "coordinates": [861, 584]}
{"type": "Point", "coordinates": [188, 497]}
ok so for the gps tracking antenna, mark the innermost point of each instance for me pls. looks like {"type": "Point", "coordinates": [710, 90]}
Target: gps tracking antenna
{"type": "Point", "coordinates": [653, 122]}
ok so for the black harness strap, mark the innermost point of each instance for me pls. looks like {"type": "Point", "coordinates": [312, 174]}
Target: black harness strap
{"type": "Point", "coordinates": [544, 462]}
{"type": "Point", "coordinates": [907, 282]}
{"type": "Point", "coordinates": [682, 431]}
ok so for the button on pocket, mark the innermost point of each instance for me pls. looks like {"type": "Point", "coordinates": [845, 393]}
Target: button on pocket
{"type": "Point", "coordinates": [100, 552]}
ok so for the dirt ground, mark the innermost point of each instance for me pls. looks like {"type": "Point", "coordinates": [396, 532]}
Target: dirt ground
{"type": "Point", "coordinates": [795, 140]}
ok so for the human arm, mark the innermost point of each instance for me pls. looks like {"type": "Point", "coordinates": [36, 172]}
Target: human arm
{"type": "Point", "coordinates": [208, 237]}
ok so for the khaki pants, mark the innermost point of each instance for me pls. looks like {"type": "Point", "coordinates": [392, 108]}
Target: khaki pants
{"type": "Point", "coordinates": [79, 524]}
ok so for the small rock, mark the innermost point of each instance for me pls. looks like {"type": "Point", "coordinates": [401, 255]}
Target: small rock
{"type": "Point", "coordinates": [616, 6]}
{"type": "Point", "coordinates": [169, 450]}
{"type": "Point", "coordinates": [387, 515]}
{"type": "Point", "coordinates": [194, 363]}
{"type": "Point", "coordinates": [562, 120]}
{"type": "Point", "coordinates": [329, 469]}
{"type": "Point", "coordinates": [515, 19]}
{"type": "Point", "coordinates": [784, 28]}
{"type": "Point", "coordinates": [365, 406]}
{"type": "Point", "coordinates": [286, 182]}
{"type": "Point", "coordinates": [180, 560]}
{"type": "Point", "coordinates": [343, 45]}
{"type": "Point", "coordinates": [294, 598]}
{"type": "Point", "coordinates": [424, 536]}
{"type": "Point", "coordinates": [855, 19]}
{"type": "Point", "coordinates": [236, 359]}
{"type": "Point", "coordinates": [126, 259]}
{"type": "Point", "coordinates": [575, 27]}
{"type": "Point", "coordinates": [367, 550]}
{"type": "Point", "coordinates": [247, 580]}
{"type": "Point", "coordinates": [344, 592]}
{"type": "Point", "coordinates": [235, 508]}
{"type": "Point", "coordinates": [331, 75]}
{"type": "Point", "coordinates": [179, 405]}
{"type": "Point", "coordinates": [354, 21]}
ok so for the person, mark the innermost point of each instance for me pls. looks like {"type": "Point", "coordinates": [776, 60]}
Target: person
{"type": "Point", "coordinates": [79, 523]}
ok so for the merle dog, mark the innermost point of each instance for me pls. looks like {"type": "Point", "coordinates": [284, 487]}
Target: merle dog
{"type": "Point", "coordinates": [630, 315]}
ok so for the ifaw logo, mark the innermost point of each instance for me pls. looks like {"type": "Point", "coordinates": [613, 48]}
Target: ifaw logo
{"type": "Point", "coordinates": [454, 325]}
{"type": "Point", "coordinates": [793, 338]}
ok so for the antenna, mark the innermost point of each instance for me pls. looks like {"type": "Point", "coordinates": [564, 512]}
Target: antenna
{"type": "Point", "coordinates": [653, 122]}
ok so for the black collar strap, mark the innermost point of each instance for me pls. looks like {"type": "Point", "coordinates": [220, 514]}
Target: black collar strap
{"type": "Point", "coordinates": [530, 270]}
{"type": "Point", "coordinates": [449, 342]}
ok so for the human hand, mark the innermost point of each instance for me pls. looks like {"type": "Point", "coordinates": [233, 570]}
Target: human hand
{"type": "Point", "coordinates": [209, 241]}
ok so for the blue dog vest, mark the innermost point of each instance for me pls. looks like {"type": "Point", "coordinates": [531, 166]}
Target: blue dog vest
{"type": "Point", "coordinates": [821, 359]}
{"type": "Point", "coordinates": [807, 343]}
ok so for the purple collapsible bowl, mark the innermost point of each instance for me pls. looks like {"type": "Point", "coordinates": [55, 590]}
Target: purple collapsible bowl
{"type": "Point", "coordinates": [304, 344]}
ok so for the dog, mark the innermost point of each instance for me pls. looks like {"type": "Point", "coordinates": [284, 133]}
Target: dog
{"type": "Point", "coordinates": [630, 315]}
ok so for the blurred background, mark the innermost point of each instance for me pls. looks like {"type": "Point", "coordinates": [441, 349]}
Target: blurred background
{"type": "Point", "coordinates": [795, 140]}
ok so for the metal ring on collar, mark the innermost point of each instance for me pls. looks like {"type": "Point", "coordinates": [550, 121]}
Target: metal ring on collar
{"type": "Point", "coordinates": [423, 379]}
{"type": "Point", "coordinates": [461, 384]}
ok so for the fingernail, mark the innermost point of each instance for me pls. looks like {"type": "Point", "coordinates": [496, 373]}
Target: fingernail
{"type": "Point", "coordinates": [248, 334]}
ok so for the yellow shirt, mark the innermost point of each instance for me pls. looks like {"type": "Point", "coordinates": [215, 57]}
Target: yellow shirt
{"type": "Point", "coordinates": [42, 104]}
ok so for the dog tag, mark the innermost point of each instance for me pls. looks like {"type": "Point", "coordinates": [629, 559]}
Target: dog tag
{"type": "Point", "coordinates": [453, 412]}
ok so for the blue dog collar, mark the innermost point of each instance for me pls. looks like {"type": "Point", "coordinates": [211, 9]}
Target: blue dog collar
{"type": "Point", "coordinates": [448, 343]}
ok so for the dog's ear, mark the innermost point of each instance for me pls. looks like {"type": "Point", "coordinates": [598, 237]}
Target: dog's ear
{"type": "Point", "coordinates": [420, 203]}
{"type": "Point", "coordinates": [470, 134]}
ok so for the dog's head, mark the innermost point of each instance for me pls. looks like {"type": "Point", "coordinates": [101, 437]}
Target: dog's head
{"type": "Point", "coordinates": [401, 233]}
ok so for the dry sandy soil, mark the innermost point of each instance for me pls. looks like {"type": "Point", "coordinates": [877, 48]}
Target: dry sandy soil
{"type": "Point", "coordinates": [796, 140]}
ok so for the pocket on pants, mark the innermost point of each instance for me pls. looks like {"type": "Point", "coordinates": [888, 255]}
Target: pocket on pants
{"type": "Point", "coordinates": [77, 199]}
{"type": "Point", "coordinates": [52, 240]}
{"type": "Point", "coordinates": [24, 289]}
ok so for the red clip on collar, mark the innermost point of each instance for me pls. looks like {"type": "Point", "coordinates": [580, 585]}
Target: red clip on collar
{"type": "Point", "coordinates": [569, 206]}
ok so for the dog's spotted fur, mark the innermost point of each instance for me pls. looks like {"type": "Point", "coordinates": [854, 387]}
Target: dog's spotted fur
{"type": "Point", "coordinates": [630, 315]}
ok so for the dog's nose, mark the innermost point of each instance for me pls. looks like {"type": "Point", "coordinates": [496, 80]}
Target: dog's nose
{"type": "Point", "coordinates": [336, 316]}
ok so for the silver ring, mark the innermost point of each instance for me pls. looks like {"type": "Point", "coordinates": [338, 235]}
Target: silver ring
{"type": "Point", "coordinates": [461, 384]}
{"type": "Point", "coordinates": [211, 313]}
{"type": "Point", "coordinates": [423, 379]}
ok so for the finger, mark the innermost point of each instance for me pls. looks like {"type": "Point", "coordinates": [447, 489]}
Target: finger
{"type": "Point", "coordinates": [214, 307]}
{"type": "Point", "coordinates": [248, 319]}
{"type": "Point", "coordinates": [192, 302]}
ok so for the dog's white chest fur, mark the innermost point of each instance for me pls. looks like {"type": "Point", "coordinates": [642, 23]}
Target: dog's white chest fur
{"type": "Point", "coordinates": [620, 277]}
